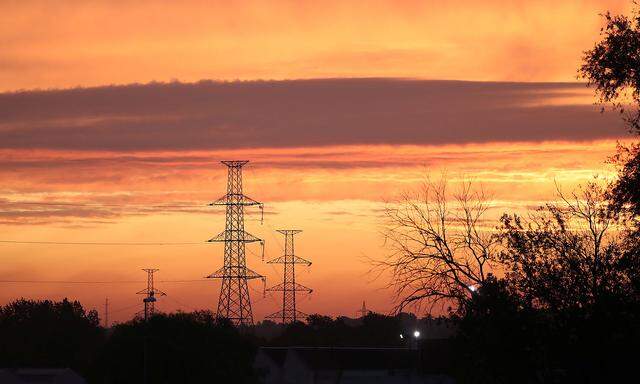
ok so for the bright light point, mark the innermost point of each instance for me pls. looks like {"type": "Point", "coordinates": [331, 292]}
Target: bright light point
{"type": "Point", "coordinates": [473, 288]}
{"type": "Point", "coordinates": [401, 336]}
{"type": "Point", "coordinates": [416, 334]}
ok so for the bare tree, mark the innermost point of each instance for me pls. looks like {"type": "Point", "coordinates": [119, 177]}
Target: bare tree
{"type": "Point", "coordinates": [441, 251]}
{"type": "Point", "coordinates": [570, 253]}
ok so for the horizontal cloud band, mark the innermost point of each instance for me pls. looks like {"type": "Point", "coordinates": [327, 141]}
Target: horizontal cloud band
{"type": "Point", "coordinates": [230, 115]}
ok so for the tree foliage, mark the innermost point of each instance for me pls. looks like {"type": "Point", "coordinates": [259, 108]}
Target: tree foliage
{"type": "Point", "coordinates": [372, 330]}
{"type": "Point", "coordinates": [49, 334]}
{"type": "Point", "coordinates": [181, 348]}
{"type": "Point", "coordinates": [612, 66]}
{"type": "Point", "coordinates": [568, 254]}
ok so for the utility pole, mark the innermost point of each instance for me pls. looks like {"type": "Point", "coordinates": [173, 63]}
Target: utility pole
{"type": "Point", "coordinates": [234, 302]}
{"type": "Point", "coordinates": [289, 287]}
{"type": "Point", "coordinates": [150, 292]}
{"type": "Point", "coordinates": [363, 311]}
{"type": "Point", "coordinates": [106, 313]}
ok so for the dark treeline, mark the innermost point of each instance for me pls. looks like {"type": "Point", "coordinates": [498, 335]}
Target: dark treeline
{"type": "Point", "coordinates": [181, 347]}
{"type": "Point", "coordinates": [497, 338]}
{"type": "Point", "coordinates": [372, 330]}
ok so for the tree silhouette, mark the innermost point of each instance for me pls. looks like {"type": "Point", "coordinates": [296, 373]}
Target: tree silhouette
{"type": "Point", "coordinates": [373, 330]}
{"type": "Point", "coordinates": [49, 334]}
{"type": "Point", "coordinates": [567, 255]}
{"type": "Point", "coordinates": [612, 66]}
{"type": "Point", "coordinates": [576, 286]}
{"type": "Point", "coordinates": [440, 250]}
{"type": "Point", "coordinates": [182, 348]}
{"type": "Point", "coordinates": [498, 338]}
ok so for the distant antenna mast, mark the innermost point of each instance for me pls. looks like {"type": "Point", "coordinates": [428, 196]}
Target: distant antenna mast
{"type": "Point", "coordinates": [151, 292]}
{"type": "Point", "coordinates": [289, 287]}
{"type": "Point", "coordinates": [363, 311]}
{"type": "Point", "coordinates": [234, 302]}
{"type": "Point", "coordinates": [106, 312]}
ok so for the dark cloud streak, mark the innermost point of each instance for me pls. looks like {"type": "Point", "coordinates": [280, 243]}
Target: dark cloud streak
{"type": "Point", "coordinates": [229, 115]}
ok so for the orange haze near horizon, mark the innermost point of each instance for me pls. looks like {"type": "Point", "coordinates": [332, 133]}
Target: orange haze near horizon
{"type": "Point", "coordinates": [339, 209]}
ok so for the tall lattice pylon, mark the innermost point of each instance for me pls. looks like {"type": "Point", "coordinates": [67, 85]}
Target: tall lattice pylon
{"type": "Point", "coordinates": [289, 287]}
{"type": "Point", "coordinates": [150, 294]}
{"type": "Point", "coordinates": [234, 302]}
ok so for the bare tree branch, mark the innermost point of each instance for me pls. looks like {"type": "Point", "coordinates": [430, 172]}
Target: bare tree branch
{"type": "Point", "coordinates": [438, 250]}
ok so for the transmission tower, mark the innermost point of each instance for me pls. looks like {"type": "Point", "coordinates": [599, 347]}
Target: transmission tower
{"type": "Point", "coordinates": [234, 302]}
{"type": "Point", "coordinates": [363, 311]}
{"type": "Point", "coordinates": [289, 287]}
{"type": "Point", "coordinates": [150, 292]}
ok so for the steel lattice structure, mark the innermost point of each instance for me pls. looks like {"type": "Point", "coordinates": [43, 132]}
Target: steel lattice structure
{"type": "Point", "coordinates": [151, 292]}
{"type": "Point", "coordinates": [363, 312]}
{"type": "Point", "coordinates": [289, 287]}
{"type": "Point", "coordinates": [234, 302]}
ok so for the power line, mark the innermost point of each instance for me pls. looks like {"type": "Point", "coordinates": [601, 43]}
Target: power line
{"type": "Point", "coordinates": [192, 308]}
{"type": "Point", "coordinates": [184, 281]}
{"type": "Point", "coordinates": [106, 205]}
{"type": "Point", "coordinates": [124, 308]}
{"type": "Point", "coordinates": [95, 282]}
{"type": "Point", "coordinates": [102, 242]}
{"type": "Point", "coordinates": [67, 282]}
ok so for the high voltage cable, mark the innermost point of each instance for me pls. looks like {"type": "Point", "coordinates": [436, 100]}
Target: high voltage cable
{"type": "Point", "coordinates": [97, 282]}
{"type": "Point", "coordinates": [109, 205]}
{"type": "Point", "coordinates": [187, 306]}
{"type": "Point", "coordinates": [98, 205]}
{"type": "Point", "coordinates": [136, 305]}
{"type": "Point", "coordinates": [101, 243]}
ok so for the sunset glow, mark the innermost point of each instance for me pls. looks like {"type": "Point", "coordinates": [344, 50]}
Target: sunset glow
{"type": "Point", "coordinates": [68, 44]}
{"type": "Point", "coordinates": [113, 120]}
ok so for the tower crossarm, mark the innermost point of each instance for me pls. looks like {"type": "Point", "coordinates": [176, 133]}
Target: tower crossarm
{"type": "Point", "coordinates": [289, 259]}
{"type": "Point", "coordinates": [235, 199]}
{"type": "Point", "coordinates": [287, 314]}
{"type": "Point", "coordinates": [290, 287]}
{"type": "Point", "coordinates": [148, 291]}
{"type": "Point", "coordinates": [234, 235]}
{"type": "Point", "coordinates": [235, 272]}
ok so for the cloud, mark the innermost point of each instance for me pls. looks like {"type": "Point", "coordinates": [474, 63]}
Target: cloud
{"type": "Point", "coordinates": [276, 114]}
{"type": "Point", "coordinates": [141, 150]}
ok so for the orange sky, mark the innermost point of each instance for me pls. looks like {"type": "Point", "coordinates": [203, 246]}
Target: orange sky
{"type": "Point", "coordinates": [71, 43]}
{"type": "Point", "coordinates": [337, 205]}
{"type": "Point", "coordinates": [325, 154]}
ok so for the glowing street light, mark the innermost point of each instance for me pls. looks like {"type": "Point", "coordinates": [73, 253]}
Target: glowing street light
{"type": "Point", "coordinates": [416, 334]}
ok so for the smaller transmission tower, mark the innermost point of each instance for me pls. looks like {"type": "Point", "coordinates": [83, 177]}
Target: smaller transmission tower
{"type": "Point", "coordinates": [151, 292]}
{"type": "Point", "coordinates": [289, 287]}
{"type": "Point", "coordinates": [363, 311]}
